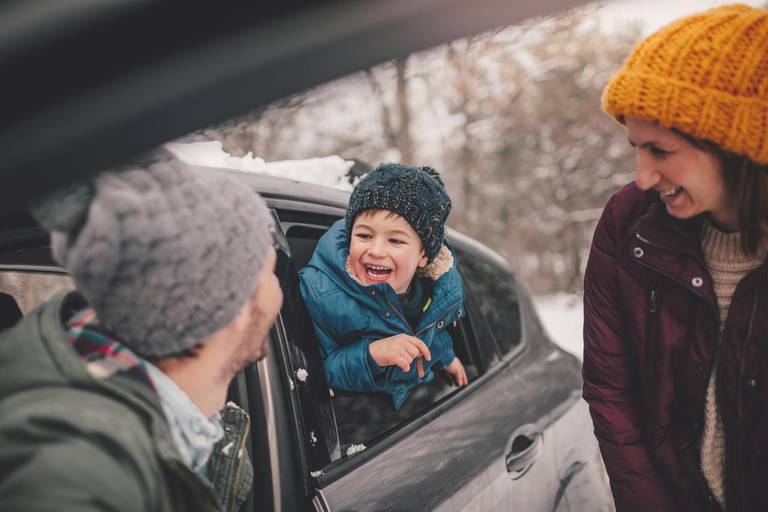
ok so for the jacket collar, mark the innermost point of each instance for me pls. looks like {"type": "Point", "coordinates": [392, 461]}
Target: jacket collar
{"type": "Point", "coordinates": [660, 229]}
{"type": "Point", "coordinates": [121, 386]}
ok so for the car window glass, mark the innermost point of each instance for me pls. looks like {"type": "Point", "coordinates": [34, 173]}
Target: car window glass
{"type": "Point", "coordinates": [360, 419]}
{"type": "Point", "coordinates": [495, 290]}
{"type": "Point", "coordinates": [30, 289]}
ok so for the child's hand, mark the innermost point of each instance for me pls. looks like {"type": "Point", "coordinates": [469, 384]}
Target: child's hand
{"type": "Point", "coordinates": [457, 372]}
{"type": "Point", "coordinates": [400, 350]}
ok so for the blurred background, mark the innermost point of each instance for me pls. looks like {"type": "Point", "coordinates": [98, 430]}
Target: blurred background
{"type": "Point", "coordinates": [511, 119]}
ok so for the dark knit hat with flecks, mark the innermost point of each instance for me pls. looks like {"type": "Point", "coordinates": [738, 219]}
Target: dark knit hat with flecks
{"type": "Point", "coordinates": [415, 193]}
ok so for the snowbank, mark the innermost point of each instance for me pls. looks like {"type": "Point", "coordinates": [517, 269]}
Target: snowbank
{"type": "Point", "coordinates": [562, 317]}
{"type": "Point", "coordinates": [330, 171]}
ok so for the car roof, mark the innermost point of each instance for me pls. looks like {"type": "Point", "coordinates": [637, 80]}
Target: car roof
{"type": "Point", "coordinates": [89, 84]}
{"type": "Point", "coordinates": [277, 191]}
{"type": "Point", "coordinates": [272, 188]}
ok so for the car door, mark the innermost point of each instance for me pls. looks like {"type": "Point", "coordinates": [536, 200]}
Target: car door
{"type": "Point", "coordinates": [505, 429]}
{"type": "Point", "coordinates": [489, 446]}
{"type": "Point", "coordinates": [544, 427]}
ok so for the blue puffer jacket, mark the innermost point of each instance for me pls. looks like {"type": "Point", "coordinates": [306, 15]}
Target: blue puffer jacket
{"type": "Point", "coordinates": [348, 316]}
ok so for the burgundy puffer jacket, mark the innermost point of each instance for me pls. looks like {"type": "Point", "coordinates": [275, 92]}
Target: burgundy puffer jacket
{"type": "Point", "coordinates": [650, 332]}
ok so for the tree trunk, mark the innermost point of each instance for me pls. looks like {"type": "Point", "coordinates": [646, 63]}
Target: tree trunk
{"type": "Point", "coordinates": [404, 140]}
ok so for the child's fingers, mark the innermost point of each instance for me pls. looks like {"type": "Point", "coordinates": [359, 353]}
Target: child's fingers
{"type": "Point", "coordinates": [403, 363]}
{"type": "Point", "coordinates": [422, 347]}
{"type": "Point", "coordinates": [412, 350]}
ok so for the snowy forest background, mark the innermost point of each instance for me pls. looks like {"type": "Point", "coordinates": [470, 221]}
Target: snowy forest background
{"type": "Point", "coordinates": [510, 118]}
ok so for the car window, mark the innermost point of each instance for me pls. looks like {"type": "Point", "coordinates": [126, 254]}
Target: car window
{"type": "Point", "coordinates": [495, 291]}
{"type": "Point", "coordinates": [30, 288]}
{"type": "Point", "coordinates": [358, 420]}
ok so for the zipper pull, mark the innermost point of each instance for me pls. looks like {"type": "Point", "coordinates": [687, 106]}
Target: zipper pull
{"type": "Point", "coordinates": [652, 302]}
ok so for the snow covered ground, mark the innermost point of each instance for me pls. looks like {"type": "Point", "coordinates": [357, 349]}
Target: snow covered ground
{"type": "Point", "coordinates": [561, 315]}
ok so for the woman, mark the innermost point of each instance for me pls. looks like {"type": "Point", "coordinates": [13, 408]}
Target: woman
{"type": "Point", "coordinates": [676, 288]}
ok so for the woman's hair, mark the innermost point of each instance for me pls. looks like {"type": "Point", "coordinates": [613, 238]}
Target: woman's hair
{"type": "Point", "coordinates": [746, 183]}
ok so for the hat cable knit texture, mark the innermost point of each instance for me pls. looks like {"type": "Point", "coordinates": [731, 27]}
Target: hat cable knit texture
{"type": "Point", "coordinates": [166, 254]}
{"type": "Point", "coordinates": [705, 75]}
{"type": "Point", "coordinates": [415, 193]}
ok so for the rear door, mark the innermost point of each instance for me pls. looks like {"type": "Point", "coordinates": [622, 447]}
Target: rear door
{"type": "Point", "coordinates": [542, 435]}
{"type": "Point", "coordinates": [488, 446]}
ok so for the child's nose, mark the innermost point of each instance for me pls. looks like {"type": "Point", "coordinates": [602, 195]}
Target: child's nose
{"type": "Point", "coordinates": [377, 248]}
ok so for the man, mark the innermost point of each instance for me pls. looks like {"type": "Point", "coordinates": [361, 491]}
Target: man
{"type": "Point", "coordinates": [110, 396]}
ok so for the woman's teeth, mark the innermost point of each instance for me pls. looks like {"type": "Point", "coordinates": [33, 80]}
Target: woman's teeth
{"type": "Point", "coordinates": [670, 192]}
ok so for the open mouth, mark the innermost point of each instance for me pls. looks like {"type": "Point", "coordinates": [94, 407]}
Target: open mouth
{"type": "Point", "coordinates": [670, 193]}
{"type": "Point", "coordinates": [377, 272]}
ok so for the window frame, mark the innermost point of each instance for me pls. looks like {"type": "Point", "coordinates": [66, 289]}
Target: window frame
{"type": "Point", "coordinates": [292, 214]}
{"type": "Point", "coordinates": [476, 251]}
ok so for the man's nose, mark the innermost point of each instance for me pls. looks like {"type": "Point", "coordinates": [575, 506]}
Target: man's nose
{"type": "Point", "coordinates": [646, 173]}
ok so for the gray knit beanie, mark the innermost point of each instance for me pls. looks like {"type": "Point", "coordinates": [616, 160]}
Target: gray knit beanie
{"type": "Point", "coordinates": [165, 253]}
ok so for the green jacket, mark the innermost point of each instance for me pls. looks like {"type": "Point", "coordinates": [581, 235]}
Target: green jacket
{"type": "Point", "coordinates": [71, 442]}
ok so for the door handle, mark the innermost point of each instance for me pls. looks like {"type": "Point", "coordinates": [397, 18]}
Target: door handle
{"type": "Point", "coordinates": [523, 449]}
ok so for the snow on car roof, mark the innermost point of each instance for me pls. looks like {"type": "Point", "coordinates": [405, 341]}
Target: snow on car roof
{"type": "Point", "coordinates": [330, 171]}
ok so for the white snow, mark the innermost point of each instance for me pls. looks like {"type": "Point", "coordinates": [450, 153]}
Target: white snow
{"type": "Point", "coordinates": [354, 448]}
{"type": "Point", "coordinates": [562, 317]}
{"type": "Point", "coordinates": [330, 171]}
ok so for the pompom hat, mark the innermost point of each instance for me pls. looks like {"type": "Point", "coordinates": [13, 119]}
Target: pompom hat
{"type": "Point", "coordinates": [166, 254]}
{"type": "Point", "coordinates": [705, 75]}
{"type": "Point", "coordinates": [415, 193]}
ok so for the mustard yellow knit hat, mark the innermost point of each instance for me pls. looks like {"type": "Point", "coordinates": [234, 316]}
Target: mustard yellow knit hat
{"type": "Point", "coordinates": [705, 75]}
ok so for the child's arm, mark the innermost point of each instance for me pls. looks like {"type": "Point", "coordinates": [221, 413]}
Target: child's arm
{"type": "Point", "coordinates": [457, 372]}
{"type": "Point", "coordinates": [347, 367]}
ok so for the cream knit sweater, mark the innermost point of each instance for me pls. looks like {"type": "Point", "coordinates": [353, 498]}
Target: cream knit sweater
{"type": "Point", "coordinates": [728, 265]}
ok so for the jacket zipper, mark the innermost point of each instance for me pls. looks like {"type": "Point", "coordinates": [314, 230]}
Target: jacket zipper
{"type": "Point", "coordinates": [237, 484]}
{"type": "Point", "coordinates": [423, 329]}
{"type": "Point", "coordinates": [739, 392]}
{"type": "Point", "coordinates": [741, 359]}
{"type": "Point", "coordinates": [649, 353]}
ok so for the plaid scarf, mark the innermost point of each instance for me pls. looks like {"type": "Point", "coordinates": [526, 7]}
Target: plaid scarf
{"type": "Point", "coordinates": [104, 355]}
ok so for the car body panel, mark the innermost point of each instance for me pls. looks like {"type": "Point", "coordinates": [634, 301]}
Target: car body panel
{"type": "Point", "coordinates": [451, 458]}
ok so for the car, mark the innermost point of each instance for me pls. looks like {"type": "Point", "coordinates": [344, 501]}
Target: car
{"type": "Point", "coordinates": [517, 438]}
{"type": "Point", "coordinates": [90, 84]}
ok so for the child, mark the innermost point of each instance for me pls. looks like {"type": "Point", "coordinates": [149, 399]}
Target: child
{"type": "Point", "coordinates": [382, 287]}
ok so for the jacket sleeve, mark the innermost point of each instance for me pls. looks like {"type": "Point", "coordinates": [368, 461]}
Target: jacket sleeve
{"type": "Point", "coordinates": [62, 472]}
{"type": "Point", "coordinates": [611, 387]}
{"type": "Point", "coordinates": [347, 366]}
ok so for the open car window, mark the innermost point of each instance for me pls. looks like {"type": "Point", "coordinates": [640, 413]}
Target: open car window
{"type": "Point", "coordinates": [341, 422]}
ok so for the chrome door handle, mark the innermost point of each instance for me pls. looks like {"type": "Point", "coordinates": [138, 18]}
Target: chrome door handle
{"type": "Point", "coordinates": [523, 450]}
